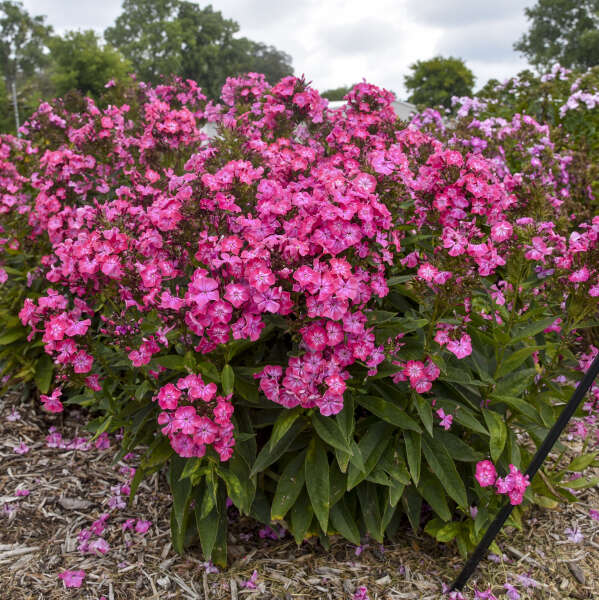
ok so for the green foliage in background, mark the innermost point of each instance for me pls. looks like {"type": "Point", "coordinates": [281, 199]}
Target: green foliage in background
{"type": "Point", "coordinates": [434, 82]}
{"type": "Point", "coordinates": [564, 31]}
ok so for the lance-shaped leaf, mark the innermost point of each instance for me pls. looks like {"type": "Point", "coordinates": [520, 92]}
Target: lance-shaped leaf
{"type": "Point", "coordinates": [289, 487]}
{"type": "Point", "coordinates": [316, 467]}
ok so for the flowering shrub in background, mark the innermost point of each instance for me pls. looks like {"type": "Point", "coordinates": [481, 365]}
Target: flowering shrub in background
{"type": "Point", "coordinates": [326, 317]}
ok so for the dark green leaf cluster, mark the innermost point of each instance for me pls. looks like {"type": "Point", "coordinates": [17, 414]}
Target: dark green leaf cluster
{"type": "Point", "coordinates": [434, 82]}
{"type": "Point", "coordinates": [563, 31]}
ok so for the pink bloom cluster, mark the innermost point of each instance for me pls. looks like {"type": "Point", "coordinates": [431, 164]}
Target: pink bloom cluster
{"type": "Point", "coordinates": [514, 484]}
{"type": "Point", "coordinates": [191, 427]}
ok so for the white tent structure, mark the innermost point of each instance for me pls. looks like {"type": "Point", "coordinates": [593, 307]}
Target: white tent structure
{"type": "Point", "coordinates": [404, 110]}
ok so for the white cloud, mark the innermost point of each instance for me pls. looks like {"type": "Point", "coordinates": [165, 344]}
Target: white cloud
{"type": "Point", "coordinates": [339, 42]}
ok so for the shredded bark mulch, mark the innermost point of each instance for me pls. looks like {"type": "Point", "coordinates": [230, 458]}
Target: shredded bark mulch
{"type": "Point", "coordinates": [71, 484]}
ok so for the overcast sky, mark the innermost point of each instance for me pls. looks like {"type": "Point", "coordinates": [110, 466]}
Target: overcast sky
{"type": "Point", "coordinates": [338, 42]}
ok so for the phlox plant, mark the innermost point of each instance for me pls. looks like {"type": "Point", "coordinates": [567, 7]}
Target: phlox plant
{"type": "Point", "coordinates": [566, 102]}
{"type": "Point", "coordinates": [328, 317]}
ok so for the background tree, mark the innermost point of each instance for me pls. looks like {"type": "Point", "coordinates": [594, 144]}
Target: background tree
{"type": "Point", "coordinates": [272, 62]}
{"type": "Point", "coordinates": [336, 94]}
{"type": "Point", "coordinates": [23, 55]}
{"type": "Point", "coordinates": [564, 31]}
{"type": "Point", "coordinates": [79, 61]}
{"type": "Point", "coordinates": [433, 82]}
{"type": "Point", "coordinates": [177, 37]}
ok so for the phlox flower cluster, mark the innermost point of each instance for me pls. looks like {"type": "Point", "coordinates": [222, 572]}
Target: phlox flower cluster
{"type": "Point", "coordinates": [191, 427]}
{"type": "Point", "coordinates": [513, 485]}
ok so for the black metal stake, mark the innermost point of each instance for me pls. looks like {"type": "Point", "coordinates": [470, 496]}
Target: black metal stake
{"type": "Point", "coordinates": [536, 462]}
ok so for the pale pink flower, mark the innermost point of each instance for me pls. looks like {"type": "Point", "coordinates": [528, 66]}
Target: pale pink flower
{"type": "Point", "coordinates": [72, 579]}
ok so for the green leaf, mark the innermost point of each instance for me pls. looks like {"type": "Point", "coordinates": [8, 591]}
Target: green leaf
{"type": "Point", "coordinates": [356, 458]}
{"type": "Point", "coordinates": [515, 383]}
{"type": "Point", "coordinates": [412, 505]}
{"type": "Point", "coordinates": [329, 432]}
{"type": "Point", "coordinates": [515, 360]}
{"type": "Point", "coordinates": [425, 411]}
{"type": "Point", "coordinates": [301, 517]}
{"type": "Point", "coordinates": [238, 465]}
{"type": "Point", "coordinates": [267, 456]}
{"type": "Point", "coordinates": [289, 487]}
{"type": "Point", "coordinates": [191, 466]}
{"type": "Point", "coordinates": [579, 484]}
{"type": "Point", "coordinates": [12, 335]}
{"type": "Point", "coordinates": [393, 462]}
{"type": "Point", "coordinates": [207, 370]}
{"type": "Point", "coordinates": [174, 362]}
{"type": "Point", "coordinates": [580, 463]}
{"type": "Point", "coordinates": [233, 485]}
{"type": "Point", "coordinates": [158, 453]}
{"type": "Point", "coordinates": [457, 448]}
{"type": "Point", "coordinates": [519, 405]}
{"type": "Point", "coordinates": [212, 530]}
{"type": "Point", "coordinates": [142, 390]}
{"type": "Point", "coordinates": [344, 523]}
{"type": "Point", "coordinates": [180, 489]}
{"type": "Point", "coordinates": [395, 493]}
{"type": "Point", "coordinates": [432, 491]}
{"type": "Point", "coordinates": [371, 447]}
{"type": "Point", "coordinates": [44, 370]}
{"type": "Point", "coordinates": [227, 378]}
{"type": "Point", "coordinates": [338, 483]}
{"type": "Point", "coordinates": [208, 498]}
{"type": "Point", "coordinates": [448, 532]}
{"type": "Point", "coordinates": [498, 431]}
{"type": "Point", "coordinates": [413, 454]}
{"type": "Point", "coordinates": [371, 511]}
{"type": "Point", "coordinates": [283, 424]}
{"type": "Point", "coordinates": [346, 418]}
{"type": "Point", "coordinates": [444, 468]}
{"type": "Point", "coordinates": [462, 414]}
{"type": "Point", "coordinates": [531, 329]}
{"type": "Point", "coordinates": [177, 533]}
{"type": "Point", "coordinates": [317, 481]}
{"type": "Point", "coordinates": [380, 316]}
{"type": "Point", "coordinates": [389, 412]}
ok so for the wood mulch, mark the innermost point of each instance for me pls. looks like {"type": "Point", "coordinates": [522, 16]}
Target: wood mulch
{"type": "Point", "coordinates": [70, 487]}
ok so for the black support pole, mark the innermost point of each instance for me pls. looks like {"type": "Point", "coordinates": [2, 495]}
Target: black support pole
{"type": "Point", "coordinates": [541, 454]}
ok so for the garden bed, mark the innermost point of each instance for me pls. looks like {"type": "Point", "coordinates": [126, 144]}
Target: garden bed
{"type": "Point", "coordinates": [556, 556]}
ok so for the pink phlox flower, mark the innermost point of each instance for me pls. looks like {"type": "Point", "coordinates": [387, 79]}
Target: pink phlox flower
{"type": "Point", "coordinates": [445, 420]}
{"type": "Point", "coordinates": [484, 595]}
{"type": "Point", "coordinates": [102, 442]}
{"type": "Point", "coordinates": [52, 403]}
{"type": "Point", "coordinates": [72, 579]}
{"type": "Point", "coordinates": [528, 582]}
{"type": "Point", "coordinates": [580, 276]}
{"type": "Point", "coordinates": [511, 592]}
{"type": "Point", "coordinates": [22, 448]}
{"type": "Point", "coordinates": [486, 474]}
{"type": "Point", "coordinates": [98, 526]}
{"type": "Point", "coordinates": [13, 415]}
{"type": "Point", "coordinates": [127, 524]}
{"type": "Point", "coordinates": [142, 526]}
{"type": "Point", "coordinates": [574, 535]}
{"type": "Point", "coordinates": [462, 347]}
{"type": "Point", "coordinates": [361, 594]}
{"type": "Point", "coordinates": [99, 546]}
{"type": "Point", "coordinates": [250, 584]}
